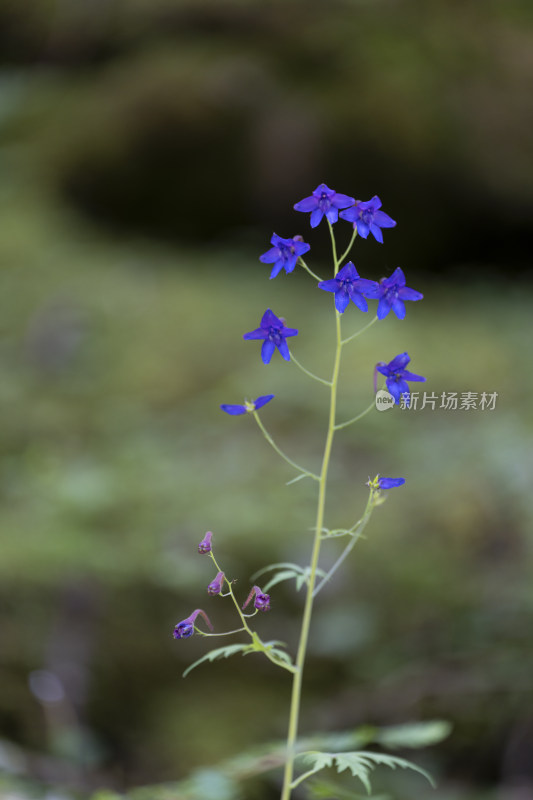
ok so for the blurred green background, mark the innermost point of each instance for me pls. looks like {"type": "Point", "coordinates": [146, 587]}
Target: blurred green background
{"type": "Point", "coordinates": [148, 149]}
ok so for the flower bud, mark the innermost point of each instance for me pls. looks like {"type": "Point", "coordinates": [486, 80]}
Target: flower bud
{"type": "Point", "coordinates": [261, 600]}
{"type": "Point", "coordinates": [185, 628]}
{"type": "Point", "coordinates": [205, 544]}
{"type": "Point", "coordinates": [215, 587]}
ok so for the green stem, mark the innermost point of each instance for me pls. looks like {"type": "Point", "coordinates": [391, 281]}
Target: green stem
{"type": "Point", "coordinates": [360, 331]}
{"type": "Point", "coordinates": [271, 441]}
{"type": "Point", "coordinates": [356, 535]}
{"type": "Point", "coordinates": [310, 374]}
{"type": "Point", "coordinates": [245, 626]}
{"type": "Point", "coordinates": [359, 416]}
{"type": "Point", "coordinates": [352, 240]}
{"type": "Point", "coordinates": [308, 609]}
{"type": "Point", "coordinates": [304, 265]}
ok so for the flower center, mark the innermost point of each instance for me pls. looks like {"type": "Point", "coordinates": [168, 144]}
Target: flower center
{"type": "Point", "coordinates": [367, 215]}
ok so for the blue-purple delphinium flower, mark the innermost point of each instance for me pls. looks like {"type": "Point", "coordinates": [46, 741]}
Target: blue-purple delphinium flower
{"type": "Point", "coordinates": [274, 333]}
{"type": "Point", "coordinates": [261, 600]}
{"type": "Point", "coordinates": [248, 407]}
{"type": "Point", "coordinates": [324, 202]}
{"type": "Point", "coordinates": [185, 628]}
{"type": "Point", "coordinates": [284, 254]}
{"type": "Point", "coordinates": [215, 587]}
{"type": "Point", "coordinates": [205, 544]}
{"type": "Point", "coordinates": [384, 483]}
{"type": "Point", "coordinates": [347, 286]}
{"type": "Point", "coordinates": [397, 376]}
{"type": "Point", "coordinates": [367, 218]}
{"type": "Point", "coordinates": [392, 292]}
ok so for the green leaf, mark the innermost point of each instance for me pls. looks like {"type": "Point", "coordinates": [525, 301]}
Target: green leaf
{"type": "Point", "coordinates": [222, 652]}
{"type": "Point", "coordinates": [362, 762]}
{"type": "Point", "coordinates": [278, 565]}
{"type": "Point", "coordinates": [416, 734]}
{"type": "Point", "coordinates": [283, 575]}
{"type": "Point", "coordinates": [319, 760]}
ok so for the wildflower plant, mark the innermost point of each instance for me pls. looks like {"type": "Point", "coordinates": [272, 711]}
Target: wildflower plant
{"type": "Point", "coordinates": [299, 760]}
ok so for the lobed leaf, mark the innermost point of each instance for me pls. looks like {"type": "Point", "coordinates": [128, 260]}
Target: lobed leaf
{"type": "Point", "coordinates": [360, 763]}
{"type": "Point", "coordinates": [222, 652]}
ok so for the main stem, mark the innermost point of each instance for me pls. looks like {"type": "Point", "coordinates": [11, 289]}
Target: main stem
{"type": "Point", "coordinates": [308, 609]}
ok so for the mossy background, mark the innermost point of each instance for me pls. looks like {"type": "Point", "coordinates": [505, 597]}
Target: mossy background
{"type": "Point", "coordinates": [147, 152]}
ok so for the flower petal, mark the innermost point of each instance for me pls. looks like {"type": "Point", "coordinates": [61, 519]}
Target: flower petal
{"type": "Point", "coordinates": [278, 266]}
{"type": "Point", "coordinates": [359, 301]}
{"type": "Point", "coordinates": [329, 286]}
{"type": "Point", "coordinates": [307, 204]}
{"type": "Point", "coordinates": [283, 348]}
{"type": "Point", "coordinates": [270, 256]}
{"type": "Point", "coordinates": [269, 320]}
{"type": "Point", "coordinates": [362, 228]}
{"type": "Point", "coordinates": [332, 214]}
{"type": "Point", "coordinates": [390, 483]}
{"type": "Point", "coordinates": [350, 214]}
{"type": "Point", "coordinates": [376, 232]}
{"type": "Point", "coordinates": [316, 217]}
{"type": "Point", "coordinates": [263, 400]}
{"type": "Point", "coordinates": [383, 308]}
{"type": "Point", "coordinates": [267, 350]}
{"type": "Point", "coordinates": [406, 293]}
{"type": "Point", "coordinates": [410, 376]}
{"type": "Point", "coordinates": [383, 220]}
{"type": "Point", "coordinates": [342, 299]}
{"type": "Point", "coordinates": [233, 410]}
{"type": "Point", "coordinates": [289, 332]}
{"type": "Point", "coordinates": [259, 333]}
{"type": "Point", "coordinates": [342, 200]}
{"type": "Point", "coordinates": [399, 308]}
{"type": "Point", "coordinates": [399, 362]}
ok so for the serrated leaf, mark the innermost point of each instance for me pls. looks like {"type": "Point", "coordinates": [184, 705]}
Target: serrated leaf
{"type": "Point", "coordinates": [416, 734]}
{"type": "Point", "coordinates": [222, 652]}
{"type": "Point", "coordinates": [362, 762]}
{"type": "Point", "coordinates": [319, 760]}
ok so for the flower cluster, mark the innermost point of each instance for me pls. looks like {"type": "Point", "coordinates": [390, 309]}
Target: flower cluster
{"type": "Point", "coordinates": [186, 628]}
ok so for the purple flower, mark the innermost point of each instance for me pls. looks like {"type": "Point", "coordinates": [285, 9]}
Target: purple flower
{"type": "Point", "coordinates": [275, 334]}
{"type": "Point", "coordinates": [185, 628]}
{"type": "Point", "coordinates": [215, 587]}
{"type": "Point", "coordinates": [248, 407]}
{"type": "Point", "coordinates": [347, 286]}
{"type": "Point", "coordinates": [397, 376]}
{"type": "Point", "coordinates": [384, 483]}
{"type": "Point", "coordinates": [367, 218]}
{"type": "Point", "coordinates": [324, 201]}
{"type": "Point", "coordinates": [392, 292]}
{"type": "Point", "coordinates": [261, 601]}
{"type": "Point", "coordinates": [205, 544]}
{"type": "Point", "coordinates": [284, 254]}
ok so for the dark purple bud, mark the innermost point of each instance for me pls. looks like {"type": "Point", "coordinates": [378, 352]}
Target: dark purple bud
{"type": "Point", "coordinates": [185, 628]}
{"type": "Point", "coordinates": [215, 587]}
{"type": "Point", "coordinates": [261, 601]}
{"type": "Point", "coordinates": [205, 544]}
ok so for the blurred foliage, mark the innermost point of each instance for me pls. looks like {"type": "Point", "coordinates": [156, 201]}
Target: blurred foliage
{"type": "Point", "coordinates": [203, 123]}
{"type": "Point", "coordinates": [143, 112]}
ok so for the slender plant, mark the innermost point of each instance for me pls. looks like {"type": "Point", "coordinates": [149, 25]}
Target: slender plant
{"type": "Point", "coordinates": [301, 763]}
